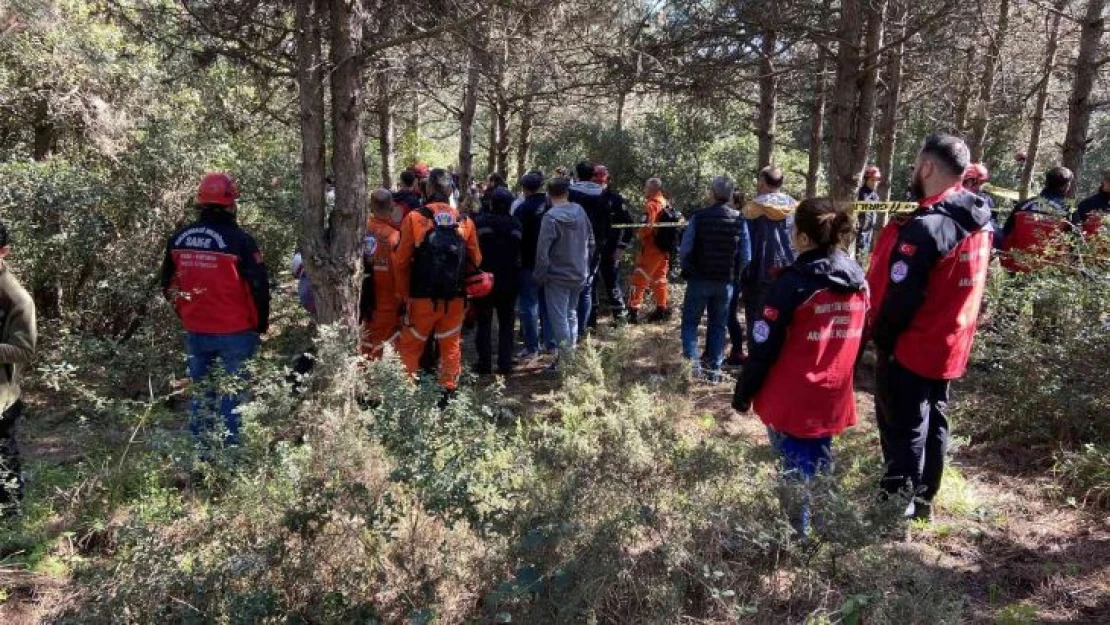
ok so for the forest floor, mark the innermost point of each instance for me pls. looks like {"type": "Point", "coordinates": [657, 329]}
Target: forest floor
{"type": "Point", "coordinates": [1004, 543]}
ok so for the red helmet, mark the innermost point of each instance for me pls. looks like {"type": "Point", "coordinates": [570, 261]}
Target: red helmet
{"type": "Point", "coordinates": [977, 171]}
{"type": "Point", "coordinates": [479, 284]}
{"type": "Point", "coordinates": [217, 188]}
{"type": "Point", "coordinates": [421, 170]}
{"type": "Point", "coordinates": [601, 174]}
{"type": "Point", "coordinates": [872, 172]}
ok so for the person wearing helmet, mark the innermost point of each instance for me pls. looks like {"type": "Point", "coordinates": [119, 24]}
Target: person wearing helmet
{"type": "Point", "coordinates": [611, 250]}
{"type": "Point", "coordinates": [1036, 222]}
{"type": "Point", "coordinates": [379, 305]}
{"type": "Point", "coordinates": [215, 277]}
{"type": "Point", "coordinates": [436, 250]}
{"type": "Point", "coordinates": [865, 224]}
{"type": "Point", "coordinates": [975, 177]}
{"type": "Point", "coordinates": [18, 336]}
{"type": "Point", "coordinates": [499, 238]}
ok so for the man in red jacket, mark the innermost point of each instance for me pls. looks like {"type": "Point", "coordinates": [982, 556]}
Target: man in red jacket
{"type": "Point", "coordinates": [927, 277]}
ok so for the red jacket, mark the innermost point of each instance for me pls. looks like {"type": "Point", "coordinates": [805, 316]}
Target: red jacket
{"type": "Point", "coordinates": [1030, 230]}
{"type": "Point", "coordinates": [804, 345]}
{"type": "Point", "coordinates": [928, 284]}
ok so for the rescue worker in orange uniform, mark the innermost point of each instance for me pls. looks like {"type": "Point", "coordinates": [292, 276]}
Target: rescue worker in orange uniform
{"type": "Point", "coordinates": [380, 305]}
{"type": "Point", "coordinates": [436, 250]}
{"type": "Point", "coordinates": [652, 263]}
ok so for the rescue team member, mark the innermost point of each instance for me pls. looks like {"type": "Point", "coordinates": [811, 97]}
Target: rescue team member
{"type": "Point", "coordinates": [530, 306]}
{"type": "Point", "coordinates": [18, 335]}
{"type": "Point", "coordinates": [710, 259]}
{"type": "Point", "coordinates": [975, 176]}
{"type": "Point", "coordinates": [436, 250]}
{"type": "Point", "coordinates": [214, 276]}
{"type": "Point", "coordinates": [1091, 213]}
{"type": "Point", "coordinates": [927, 278]}
{"type": "Point", "coordinates": [611, 250]}
{"type": "Point", "coordinates": [589, 195]}
{"type": "Point", "coordinates": [866, 222]}
{"type": "Point", "coordinates": [800, 369]}
{"type": "Point", "coordinates": [769, 216]}
{"type": "Point", "coordinates": [406, 198]}
{"type": "Point", "coordinates": [499, 238]}
{"type": "Point", "coordinates": [379, 304]}
{"type": "Point", "coordinates": [1034, 223]}
{"type": "Point", "coordinates": [653, 262]}
{"type": "Point", "coordinates": [563, 253]}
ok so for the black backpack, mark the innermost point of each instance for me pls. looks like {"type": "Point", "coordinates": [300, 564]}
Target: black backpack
{"type": "Point", "coordinates": [666, 238]}
{"type": "Point", "coordinates": [440, 259]}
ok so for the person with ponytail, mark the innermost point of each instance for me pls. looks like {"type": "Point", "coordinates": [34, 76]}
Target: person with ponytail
{"type": "Point", "coordinates": [802, 348]}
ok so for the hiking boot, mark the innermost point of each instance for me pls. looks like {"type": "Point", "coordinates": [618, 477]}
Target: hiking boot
{"type": "Point", "coordinates": [633, 316]}
{"type": "Point", "coordinates": [922, 510]}
{"type": "Point", "coordinates": [736, 359]}
{"type": "Point", "coordinates": [659, 315]}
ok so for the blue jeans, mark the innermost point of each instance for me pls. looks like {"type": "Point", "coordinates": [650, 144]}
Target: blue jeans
{"type": "Point", "coordinates": [531, 311]}
{"type": "Point", "coordinates": [231, 351]}
{"type": "Point", "coordinates": [802, 459]}
{"type": "Point", "coordinates": [703, 296]}
{"type": "Point", "coordinates": [586, 302]}
{"type": "Point", "coordinates": [561, 301]}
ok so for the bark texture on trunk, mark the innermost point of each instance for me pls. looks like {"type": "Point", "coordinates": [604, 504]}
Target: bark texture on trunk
{"type": "Point", "coordinates": [309, 16]}
{"type": "Point", "coordinates": [466, 121]}
{"type": "Point", "coordinates": [842, 170]}
{"type": "Point", "coordinates": [524, 140]}
{"type": "Point", "coordinates": [1042, 98]}
{"type": "Point", "coordinates": [963, 96]}
{"type": "Point", "coordinates": [1079, 102]}
{"type": "Point", "coordinates": [892, 78]}
{"type": "Point", "coordinates": [504, 140]}
{"type": "Point", "coordinates": [768, 87]}
{"type": "Point", "coordinates": [386, 143]}
{"type": "Point", "coordinates": [986, 88]}
{"type": "Point", "coordinates": [868, 84]}
{"type": "Point", "coordinates": [817, 129]}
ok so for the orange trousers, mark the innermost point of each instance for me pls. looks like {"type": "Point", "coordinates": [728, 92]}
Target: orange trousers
{"type": "Point", "coordinates": [381, 328]}
{"type": "Point", "coordinates": [444, 320]}
{"type": "Point", "coordinates": [650, 273]}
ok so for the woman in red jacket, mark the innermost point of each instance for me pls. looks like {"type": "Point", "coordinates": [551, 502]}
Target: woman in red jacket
{"type": "Point", "coordinates": [803, 347]}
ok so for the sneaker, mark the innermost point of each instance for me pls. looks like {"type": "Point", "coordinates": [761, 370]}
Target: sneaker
{"type": "Point", "coordinates": [659, 315]}
{"type": "Point", "coordinates": [922, 510]}
{"type": "Point", "coordinates": [526, 354]}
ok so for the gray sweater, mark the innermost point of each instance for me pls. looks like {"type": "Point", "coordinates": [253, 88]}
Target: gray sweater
{"type": "Point", "coordinates": [17, 335]}
{"type": "Point", "coordinates": [565, 245]}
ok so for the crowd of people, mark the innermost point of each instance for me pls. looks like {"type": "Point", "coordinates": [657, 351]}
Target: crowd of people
{"type": "Point", "coordinates": [541, 261]}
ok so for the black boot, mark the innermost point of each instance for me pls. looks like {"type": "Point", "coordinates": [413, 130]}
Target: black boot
{"type": "Point", "coordinates": [659, 315]}
{"type": "Point", "coordinates": [633, 316]}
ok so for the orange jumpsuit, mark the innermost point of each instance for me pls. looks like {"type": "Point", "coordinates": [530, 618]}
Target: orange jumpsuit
{"type": "Point", "coordinates": [652, 263]}
{"type": "Point", "coordinates": [426, 316]}
{"type": "Point", "coordinates": [383, 324]}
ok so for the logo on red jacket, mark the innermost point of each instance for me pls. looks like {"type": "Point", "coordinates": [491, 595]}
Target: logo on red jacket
{"type": "Point", "coordinates": [907, 249]}
{"type": "Point", "coordinates": [770, 313]}
{"type": "Point", "coordinates": [899, 271]}
{"type": "Point", "coordinates": [761, 331]}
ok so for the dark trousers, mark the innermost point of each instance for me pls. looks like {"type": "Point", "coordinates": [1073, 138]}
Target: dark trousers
{"type": "Point", "coordinates": [504, 305]}
{"type": "Point", "coordinates": [913, 428]}
{"type": "Point", "coordinates": [754, 293]}
{"type": "Point", "coordinates": [735, 329]}
{"type": "Point", "coordinates": [11, 474]}
{"type": "Point", "coordinates": [610, 271]}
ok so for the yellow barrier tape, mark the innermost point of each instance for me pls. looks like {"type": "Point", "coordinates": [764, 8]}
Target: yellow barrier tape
{"type": "Point", "coordinates": [666, 224]}
{"type": "Point", "coordinates": [884, 207]}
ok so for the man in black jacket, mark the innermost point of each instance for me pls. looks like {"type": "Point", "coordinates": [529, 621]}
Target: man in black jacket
{"type": "Point", "coordinates": [530, 304]}
{"type": "Point", "coordinates": [1091, 212]}
{"type": "Point", "coordinates": [611, 250]}
{"type": "Point", "coordinates": [591, 197]}
{"type": "Point", "coordinates": [499, 238]}
{"type": "Point", "coordinates": [214, 276]}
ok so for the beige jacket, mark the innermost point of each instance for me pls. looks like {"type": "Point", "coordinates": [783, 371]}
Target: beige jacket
{"type": "Point", "coordinates": [17, 335]}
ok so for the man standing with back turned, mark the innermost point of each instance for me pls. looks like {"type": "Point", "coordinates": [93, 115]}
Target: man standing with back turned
{"type": "Point", "coordinates": [17, 348]}
{"type": "Point", "coordinates": [927, 278]}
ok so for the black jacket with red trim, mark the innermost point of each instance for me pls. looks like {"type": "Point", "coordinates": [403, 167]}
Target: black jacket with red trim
{"type": "Point", "coordinates": [931, 285]}
{"type": "Point", "coordinates": [812, 273]}
{"type": "Point", "coordinates": [215, 277]}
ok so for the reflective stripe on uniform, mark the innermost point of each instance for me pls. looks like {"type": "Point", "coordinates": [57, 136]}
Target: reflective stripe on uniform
{"type": "Point", "coordinates": [451, 332]}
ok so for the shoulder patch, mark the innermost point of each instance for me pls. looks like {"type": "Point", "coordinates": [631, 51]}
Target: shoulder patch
{"type": "Point", "coordinates": [907, 249]}
{"type": "Point", "coordinates": [761, 331]}
{"type": "Point", "coordinates": [771, 313]}
{"type": "Point", "coordinates": [899, 271]}
{"type": "Point", "coordinates": [444, 219]}
{"type": "Point", "coordinates": [371, 245]}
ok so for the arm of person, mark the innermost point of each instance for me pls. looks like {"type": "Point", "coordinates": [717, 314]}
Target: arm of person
{"type": "Point", "coordinates": [624, 216]}
{"type": "Point", "coordinates": [543, 250]}
{"type": "Point", "coordinates": [651, 215]}
{"type": "Point", "coordinates": [473, 250]}
{"type": "Point", "coordinates": [19, 346]}
{"type": "Point", "coordinates": [745, 246]}
{"type": "Point", "coordinates": [912, 260]}
{"type": "Point", "coordinates": [686, 247]}
{"type": "Point", "coordinates": [253, 270]}
{"type": "Point", "coordinates": [767, 338]}
{"type": "Point", "coordinates": [402, 256]}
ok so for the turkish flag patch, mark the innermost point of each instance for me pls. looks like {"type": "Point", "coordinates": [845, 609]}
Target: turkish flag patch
{"type": "Point", "coordinates": [770, 313]}
{"type": "Point", "coordinates": [907, 249]}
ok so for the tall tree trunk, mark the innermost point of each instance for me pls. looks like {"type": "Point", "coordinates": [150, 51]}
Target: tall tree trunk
{"type": "Point", "coordinates": [768, 87]}
{"type": "Point", "coordinates": [1042, 98]}
{"type": "Point", "coordinates": [385, 127]}
{"type": "Point", "coordinates": [868, 84]}
{"type": "Point", "coordinates": [986, 87]}
{"type": "Point", "coordinates": [491, 144]}
{"type": "Point", "coordinates": [466, 121]}
{"type": "Point", "coordinates": [504, 139]}
{"type": "Point", "coordinates": [817, 130]}
{"type": "Point", "coordinates": [842, 168]}
{"type": "Point", "coordinates": [1079, 103]}
{"type": "Point", "coordinates": [963, 96]}
{"type": "Point", "coordinates": [892, 77]}
{"type": "Point", "coordinates": [524, 141]}
{"type": "Point", "coordinates": [309, 16]}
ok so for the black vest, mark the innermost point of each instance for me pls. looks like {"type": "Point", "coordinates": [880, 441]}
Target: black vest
{"type": "Point", "coordinates": [716, 235]}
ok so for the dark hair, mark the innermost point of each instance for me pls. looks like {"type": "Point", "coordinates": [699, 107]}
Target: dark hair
{"type": "Point", "coordinates": [827, 223]}
{"type": "Point", "coordinates": [585, 171]}
{"type": "Point", "coordinates": [738, 199]}
{"type": "Point", "coordinates": [439, 184]}
{"type": "Point", "coordinates": [1058, 179]}
{"type": "Point", "coordinates": [771, 176]}
{"type": "Point", "coordinates": [5, 238]}
{"type": "Point", "coordinates": [558, 187]}
{"type": "Point", "coordinates": [501, 200]}
{"type": "Point", "coordinates": [496, 179]}
{"type": "Point", "coordinates": [949, 152]}
{"type": "Point", "coordinates": [532, 181]}
{"type": "Point", "coordinates": [408, 177]}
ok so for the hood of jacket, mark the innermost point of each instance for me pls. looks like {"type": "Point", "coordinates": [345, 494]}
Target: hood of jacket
{"type": "Point", "coordinates": [836, 270]}
{"type": "Point", "coordinates": [775, 206]}
{"type": "Point", "coordinates": [564, 214]}
{"type": "Point", "coordinates": [966, 209]}
{"type": "Point", "coordinates": [587, 188]}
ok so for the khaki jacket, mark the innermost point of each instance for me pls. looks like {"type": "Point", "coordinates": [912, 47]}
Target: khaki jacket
{"type": "Point", "coordinates": [18, 335]}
